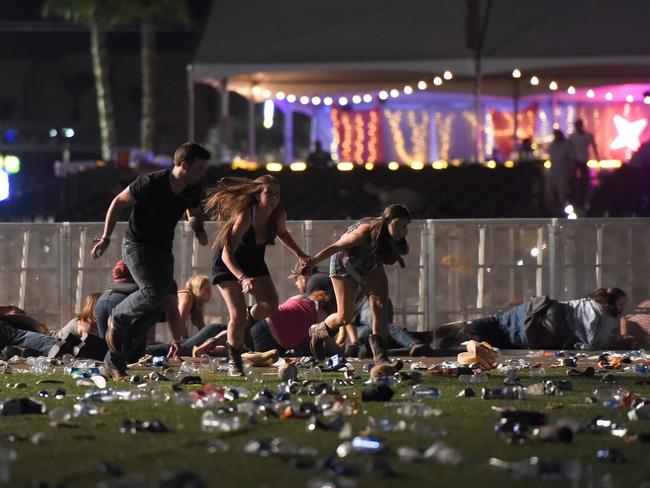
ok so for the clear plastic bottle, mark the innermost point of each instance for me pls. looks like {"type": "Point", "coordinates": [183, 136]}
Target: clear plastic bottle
{"type": "Point", "coordinates": [536, 389]}
{"type": "Point", "coordinates": [424, 391]}
{"type": "Point", "coordinates": [473, 378]}
{"type": "Point", "coordinates": [442, 453]}
{"type": "Point", "coordinates": [312, 374]}
{"type": "Point", "coordinates": [222, 423]}
{"type": "Point", "coordinates": [535, 468]}
{"type": "Point", "coordinates": [505, 393]}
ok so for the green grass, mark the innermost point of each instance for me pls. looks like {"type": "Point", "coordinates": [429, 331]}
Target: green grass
{"type": "Point", "coordinates": [71, 455]}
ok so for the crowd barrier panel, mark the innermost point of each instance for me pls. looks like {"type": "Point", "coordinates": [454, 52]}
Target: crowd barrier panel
{"type": "Point", "coordinates": [455, 270]}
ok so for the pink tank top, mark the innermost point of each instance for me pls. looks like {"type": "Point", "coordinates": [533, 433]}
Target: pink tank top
{"type": "Point", "coordinates": [292, 320]}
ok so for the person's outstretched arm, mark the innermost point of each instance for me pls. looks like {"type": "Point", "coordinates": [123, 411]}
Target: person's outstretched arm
{"type": "Point", "coordinates": [123, 200]}
{"type": "Point", "coordinates": [287, 239]}
{"type": "Point", "coordinates": [351, 239]}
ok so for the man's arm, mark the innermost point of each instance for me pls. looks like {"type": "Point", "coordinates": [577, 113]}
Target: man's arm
{"type": "Point", "coordinates": [195, 216]}
{"type": "Point", "coordinates": [124, 199]}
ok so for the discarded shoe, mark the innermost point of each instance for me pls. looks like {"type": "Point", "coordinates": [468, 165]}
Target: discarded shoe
{"type": "Point", "coordinates": [261, 358]}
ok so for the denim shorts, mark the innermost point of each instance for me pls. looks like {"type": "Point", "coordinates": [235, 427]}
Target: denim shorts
{"type": "Point", "coordinates": [340, 270]}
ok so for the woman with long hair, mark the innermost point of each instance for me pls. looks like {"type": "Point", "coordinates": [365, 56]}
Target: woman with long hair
{"type": "Point", "coordinates": [189, 304]}
{"type": "Point", "coordinates": [252, 219]}
{"type": "Point", "coordinates": [192, 300]}
{"type": "Point", "coordinates": [84, 322]}
{"type": "Point", "coordinates": [288, 328]}
{"type": "Point", "coordinates": [357, 260]}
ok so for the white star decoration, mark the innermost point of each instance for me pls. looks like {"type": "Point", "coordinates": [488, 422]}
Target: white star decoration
{"type": "Point", "coordinates": [628, 133]}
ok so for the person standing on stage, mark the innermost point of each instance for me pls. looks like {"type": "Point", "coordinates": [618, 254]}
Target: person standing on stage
{"type": "Point", "coordinates": [252, 219]}
{"type": "Point", "coordinates": [159, 200]}
{"type": "Point", "coordinates": [357, 260]}
{"type": "Point", "coordinates": [581, 141]}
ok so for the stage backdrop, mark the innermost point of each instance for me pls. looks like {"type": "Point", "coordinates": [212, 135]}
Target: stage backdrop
{"type": "Point", "coordinates": [444, 129]}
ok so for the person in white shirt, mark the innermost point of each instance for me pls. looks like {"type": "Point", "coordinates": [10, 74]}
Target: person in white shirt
{"type": "Point", "coordinates": [558, 178]}
{"type": "Point", "coordinates": [581, 141]}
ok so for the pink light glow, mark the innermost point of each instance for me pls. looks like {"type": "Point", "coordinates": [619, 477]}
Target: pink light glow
{"type": "Point", "coordinates": [618, 92]}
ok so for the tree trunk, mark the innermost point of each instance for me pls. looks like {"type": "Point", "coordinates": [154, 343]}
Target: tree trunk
{"type": "Point", "coordinates": [147, 54]}
{"type": "Point", "coordinates": [104, 100]}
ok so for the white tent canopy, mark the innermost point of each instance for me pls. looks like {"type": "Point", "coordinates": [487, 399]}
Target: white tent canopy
{"type": "Point", "coordinates": [337, 46]}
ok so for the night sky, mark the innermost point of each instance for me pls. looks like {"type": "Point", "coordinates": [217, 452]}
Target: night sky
{"type": "Point", "coordinates": [25, 33]}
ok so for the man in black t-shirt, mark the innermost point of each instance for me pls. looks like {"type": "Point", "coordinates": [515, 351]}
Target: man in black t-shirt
{"type": "Point", "coordinates": [159, 200]}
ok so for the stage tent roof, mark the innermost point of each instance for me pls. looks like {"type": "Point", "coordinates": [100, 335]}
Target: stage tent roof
{"type": "Point", "coordinates": [337, 46]}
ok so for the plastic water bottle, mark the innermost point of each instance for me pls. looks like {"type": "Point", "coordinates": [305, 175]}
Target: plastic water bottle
{"type": "Point", "coordinates": [424, 391]}
{"type": "Point", "coordinates": [505, 393]}
{"type": "Point", "coordinates": [222, 423]}
{"type": "Point", "coordinates": [473, 378]}
{"type": "Point", "coordinates": [367, 444]}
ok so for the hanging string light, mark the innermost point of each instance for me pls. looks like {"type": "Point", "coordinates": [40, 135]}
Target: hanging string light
{"type": "Point", "coordinates": [356, 99]}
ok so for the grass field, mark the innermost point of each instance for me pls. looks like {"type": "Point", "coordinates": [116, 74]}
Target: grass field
{"type": "Point", "coordinates": [72, 455]}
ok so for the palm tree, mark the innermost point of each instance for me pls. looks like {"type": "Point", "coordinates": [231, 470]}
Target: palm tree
{"type": "Point", "coordinates": [148, 13]}
{"type": "Point", "coordinates": [99, 17]}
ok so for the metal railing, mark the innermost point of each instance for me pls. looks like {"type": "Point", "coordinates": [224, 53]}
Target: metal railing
{"type": "Point", "coordinates": [456, 269]}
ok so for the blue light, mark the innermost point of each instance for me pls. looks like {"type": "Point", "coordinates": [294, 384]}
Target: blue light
{"type": "Point", "coordinates": [10, 135]}
{"type": "Point", "coordinates": [4, 185]}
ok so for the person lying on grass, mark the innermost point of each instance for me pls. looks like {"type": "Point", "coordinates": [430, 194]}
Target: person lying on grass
{"type": "Point", "coordinates": [545, 323]}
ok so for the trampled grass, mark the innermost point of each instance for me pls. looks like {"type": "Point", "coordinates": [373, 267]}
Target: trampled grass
{"type": "Point", "coordinates": [71, 456]}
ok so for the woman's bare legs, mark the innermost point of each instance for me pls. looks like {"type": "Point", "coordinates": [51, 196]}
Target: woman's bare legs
{"type": "Point", "coordinates": [376, 289]}
{"type": "Point", "coordinates": [266, 298]}
{"type": "Point", "coordinates": [345, 290]}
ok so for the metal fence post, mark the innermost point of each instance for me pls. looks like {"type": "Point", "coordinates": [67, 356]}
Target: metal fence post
{"type": "Point", "coordinates": [599, 256]}
{"type": "Point", "coordinates": [553, 267]}
{"type": "Point", "coordinates": [65, 272]}
{"type": "Point", "coordinates": [539, 272]}
{"type": "Point", "coordinates": [430, 299]}
{"type": "Point", "coordinates": [24, 263]}
{"type": "Point", "coordinates": [480, 278]}
{"type": "Point", "coordinates": [307, 235]}
{"type": "Point", "coordinates": [423, 279]}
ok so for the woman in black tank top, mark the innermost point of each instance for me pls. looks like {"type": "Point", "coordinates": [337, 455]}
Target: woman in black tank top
{"type": "Point", "coordinates": [251, 220]}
